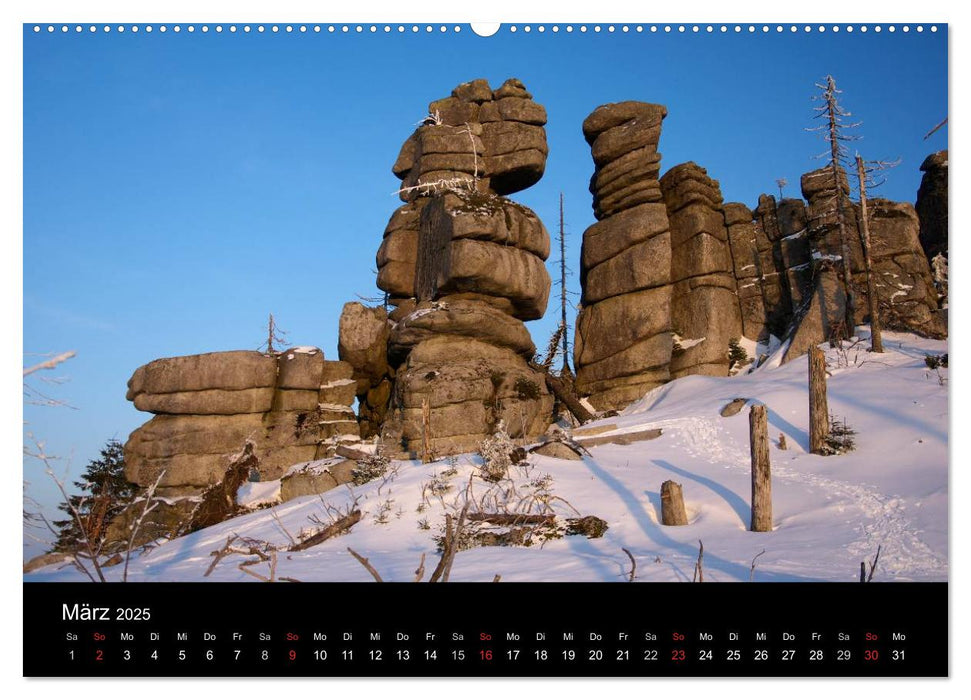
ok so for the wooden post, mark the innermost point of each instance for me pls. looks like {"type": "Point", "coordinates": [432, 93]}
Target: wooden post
{"type": "Point", "coordinates": [672, 504]}
{"type": "Point", "coordinates": [818, 406]}
{"type": "Point", "coordinates": [761, 473]}
{"type": "Point", "coordinates": [426, 419]}
{"type": "Point", "coordinates": [876, 340]}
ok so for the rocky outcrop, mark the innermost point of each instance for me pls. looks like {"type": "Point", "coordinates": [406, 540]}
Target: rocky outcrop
{"type": "Point", "coordinates": [903, 278]}
{"type": "Point", "coordinates": [363, 344]}
{"type": "Point", "coordinates": [623, 342]}
{"type": "Point", "coordinates": [705, 313]}
{"type": "Point", "coordinates": [932, 205]}
{"type": "Point", "coordinates": [294, 406]}
{"type": "Point", "coordinates": [463, 267]}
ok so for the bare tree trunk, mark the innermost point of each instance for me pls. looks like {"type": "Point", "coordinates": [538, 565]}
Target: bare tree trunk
{"type": "Point", "coordinates": [818, 405]}
{"type": "Point", "coordinates": [672, 504]}
{"type": "Point", "coordinates": [832, 109]}
{"type": "Point", "coordinates": [876, 341]}
{"type": "Point", "coordinates": [761, 471]}
{"type": "Point", "coordinates": [565, 338]}
{"type": "Point", "coordinates": [568, 398]}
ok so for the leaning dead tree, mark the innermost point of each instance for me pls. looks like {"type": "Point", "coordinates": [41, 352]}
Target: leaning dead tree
{"type": "Point", "coordinates": [866, 180]}
{"type": "Point", "coordinates": [833, 131]}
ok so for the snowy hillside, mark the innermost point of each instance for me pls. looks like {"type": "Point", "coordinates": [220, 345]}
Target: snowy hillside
{"type": "Point", "coordinates": [830, 513]}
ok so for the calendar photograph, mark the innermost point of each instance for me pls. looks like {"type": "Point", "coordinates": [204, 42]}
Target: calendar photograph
{"type": "Point", "coordinates": [537, 303]}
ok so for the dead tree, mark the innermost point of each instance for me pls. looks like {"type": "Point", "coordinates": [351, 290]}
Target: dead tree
{"type": "Point", "coordinates": [876, 342]}
{"type": "Point", "coordinates": [833, 132]}
{"type": "Point", "coordinates": [818, 405]}
{"type": "Point", "coordinates": [672, 504]}
{"type": "Point", "coordinates": [781, 183]}
{"type": "Point", "coordinates": [564, 336]}
{"type": "Point", "coordinates": [761, 469]}
{"type": "Point", "coordinates": [274, 335]}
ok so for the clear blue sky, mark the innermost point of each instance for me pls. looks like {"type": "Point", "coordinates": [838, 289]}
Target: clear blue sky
{"type": "Point", "coordinates": [180, 187]}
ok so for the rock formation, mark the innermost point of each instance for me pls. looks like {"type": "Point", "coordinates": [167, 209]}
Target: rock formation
{"type": "Point", "coordinates": [294, 406]}
{"type": "Point", "coordinates": [463, 267]}
{"type": "Point", "coordinates": [623, 342]}
{"type": "Point", "coordinates": [932, 205]}
{"type": "Point", "coordinates": [705, 313]}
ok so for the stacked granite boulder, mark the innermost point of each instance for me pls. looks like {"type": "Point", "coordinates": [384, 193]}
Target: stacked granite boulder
{"type": "Point", "coordinates": [294, 406]}
{"type": "Point", "coordinates": [705, 314]}
{"type": "Point", "coordinates": [623, 340]}
{"type": "Point", "coordinates": [463, 267]}
{"type": "Point", "coordinates": [908, 299]}
{"type": "Point", "coordinates": [932, 205]}
{"type": "Point", "coordinates": [904, 282]}
{"type": "Point", "coordinates": [363, 344]}
{"type": "Point", "coordinates": [748, 268]}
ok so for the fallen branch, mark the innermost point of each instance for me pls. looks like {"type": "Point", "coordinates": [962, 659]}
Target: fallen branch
{"type": "Point", "coordinates": [420, 571]}
{"type": "Point", "coordinates": [367, 565]}
{"type": "Point", "coordinates": [512, 518]}
{"type": "Point", "coordinates": [633, 564]}
{"type": "Point", "coordinates": [337, 528]}
{"type": "Point", "coordinates": [221, 554]}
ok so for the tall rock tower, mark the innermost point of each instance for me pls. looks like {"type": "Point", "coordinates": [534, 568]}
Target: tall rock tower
{"type": "Point", "coordinates": [463, 268]}
{"type": "Point", "coordinates": [623, 334]}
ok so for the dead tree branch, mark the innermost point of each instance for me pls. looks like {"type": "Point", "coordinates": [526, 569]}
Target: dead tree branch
{"type": "Point", "coordinates": [367, 565]}
{"type": "Point", "coordinates": [633, 564]}
{"type": "Point", "coordinates": [339, 527]}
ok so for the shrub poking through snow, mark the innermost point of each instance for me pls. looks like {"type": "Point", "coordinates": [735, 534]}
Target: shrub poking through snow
{"type": "Point", "coordinates": [370, 468]}
{"type": "Point", "coordinates": [935, 361]}
{"type": "Point", "coordinates": [737, 357]}
{"type": "Point", "coordinates": [840, 439]}
{"type": "Point", "coordinates": [495, 452]}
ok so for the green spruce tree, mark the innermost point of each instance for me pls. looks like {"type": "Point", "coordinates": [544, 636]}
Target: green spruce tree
{"type": "Point", "coordinates": [104, 492]}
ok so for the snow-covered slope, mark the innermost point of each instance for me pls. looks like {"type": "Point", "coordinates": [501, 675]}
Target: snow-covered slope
{"type": "Point", "coordinates": [830, 513]}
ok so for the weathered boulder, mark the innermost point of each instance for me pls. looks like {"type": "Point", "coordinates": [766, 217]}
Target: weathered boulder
{"type": "Point", "coordinates": [469, 387]}
{"type": "Point", "coordinates": [495, 142]}
{"type": "Point", "coordinates": [303, 413]}
{"type": "Point", "coordinates": [705, 310]}
{"type": "Point", "coordinates": [557, 450]}
{"type": "Point", "coordinates": [363, 343]}
{"type": "Point", "coordinates": [221, 383]}
{"type": "Point", "coordinates": [228, 371]}
{"type": "Point", "coordinates": [823, 315]}
{"type": "Point", "coordinates": [311, 478]}
{"type": "Point", "coordinates": [463, 318]}
{"type": "Point", "coordinates": [903, 279]}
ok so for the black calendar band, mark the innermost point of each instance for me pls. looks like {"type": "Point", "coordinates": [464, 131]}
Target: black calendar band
{"type": "Point", "coordinates": [486, 629]}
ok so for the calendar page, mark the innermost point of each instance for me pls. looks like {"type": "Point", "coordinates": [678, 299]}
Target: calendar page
{"type": "Point", "coordinates": [515, 349]}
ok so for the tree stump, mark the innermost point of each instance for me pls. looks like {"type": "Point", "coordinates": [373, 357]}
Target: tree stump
{"type": "Point", "coordinates": [761, 473]}
{"type": "Point", "coordinates": [672, 504]}
{"type": "Point", "coordinates": [818, 406]}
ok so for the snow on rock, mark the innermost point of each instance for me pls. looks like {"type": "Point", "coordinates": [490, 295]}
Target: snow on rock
{"type": "Point", "coordinates": [256, 494]}
{"type": "Point", "coordinates": [830, 513]}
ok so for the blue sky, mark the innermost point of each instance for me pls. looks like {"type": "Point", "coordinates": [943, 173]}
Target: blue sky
{"type": "Point", "coordinates": [180, 187]}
